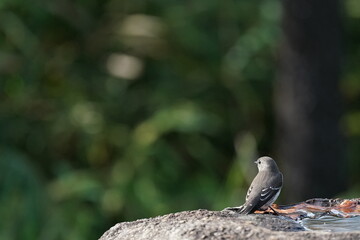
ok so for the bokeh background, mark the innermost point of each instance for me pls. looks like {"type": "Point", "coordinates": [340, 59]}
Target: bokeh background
{"type": "Point", "coordinates": [114, 110]}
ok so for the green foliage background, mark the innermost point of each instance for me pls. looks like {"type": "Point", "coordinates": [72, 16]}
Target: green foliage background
{"type": "Point", "coordinates": [115, 110]}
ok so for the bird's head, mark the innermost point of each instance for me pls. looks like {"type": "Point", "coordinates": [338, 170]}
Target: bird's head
{"type": "Point", "coordinates": [266, 164]}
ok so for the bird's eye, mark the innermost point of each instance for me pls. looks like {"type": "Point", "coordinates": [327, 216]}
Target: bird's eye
{"type": "Point", "coordinates": [259, 162]}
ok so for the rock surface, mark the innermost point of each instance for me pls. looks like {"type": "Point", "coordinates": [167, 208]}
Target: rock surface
{"type": "Point", "coordinates": [204, 224]}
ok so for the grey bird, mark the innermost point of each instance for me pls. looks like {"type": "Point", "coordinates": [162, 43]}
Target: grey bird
{"type": "Point", "coordinates": [264, 189]}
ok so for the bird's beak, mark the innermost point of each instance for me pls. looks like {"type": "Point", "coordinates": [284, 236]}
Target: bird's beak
{"type": "Point", "coordinates": [257, 161]}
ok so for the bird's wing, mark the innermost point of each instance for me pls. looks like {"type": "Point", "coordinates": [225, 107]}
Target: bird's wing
{"type": "Point", "coordinates": [248, 193]}
{"type": "Point", "coordinates": [268, 193]}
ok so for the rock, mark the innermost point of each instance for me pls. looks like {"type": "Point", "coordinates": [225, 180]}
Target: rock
{"type": "Point", "coordinates": [204, 224]}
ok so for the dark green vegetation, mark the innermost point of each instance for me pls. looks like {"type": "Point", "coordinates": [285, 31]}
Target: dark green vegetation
{"type": "Point", "coordinates": [118, 110]}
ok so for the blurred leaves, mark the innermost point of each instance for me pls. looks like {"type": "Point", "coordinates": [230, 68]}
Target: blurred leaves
{"type": "Point", "coordinates": [22, 196]}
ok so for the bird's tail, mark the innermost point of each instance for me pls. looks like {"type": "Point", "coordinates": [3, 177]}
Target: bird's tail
{"type": "Point", "coordinates": [243, 209]}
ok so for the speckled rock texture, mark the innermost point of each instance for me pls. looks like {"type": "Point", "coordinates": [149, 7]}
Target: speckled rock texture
{"type": "Point", "coordinates": [204, 224]}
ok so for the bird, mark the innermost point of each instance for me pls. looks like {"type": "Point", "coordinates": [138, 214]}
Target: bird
{"type": "Point", "coordinates": [264, 189]}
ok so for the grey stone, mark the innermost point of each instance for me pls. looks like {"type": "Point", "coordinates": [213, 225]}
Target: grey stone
{"type": "Point", "coordinates": [217, 225]}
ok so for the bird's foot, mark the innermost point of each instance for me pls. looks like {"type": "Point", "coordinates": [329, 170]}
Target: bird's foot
{"type": "Point", "coordinates": [274, 212]}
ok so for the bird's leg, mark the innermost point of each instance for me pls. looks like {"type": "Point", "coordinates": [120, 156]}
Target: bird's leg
{"type": "Point", "coordinates": [275, 212]}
